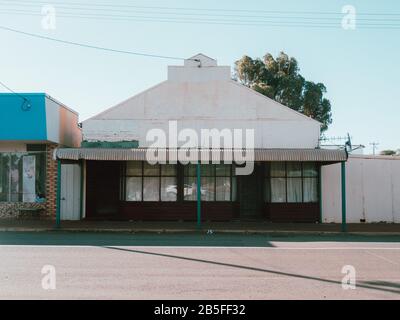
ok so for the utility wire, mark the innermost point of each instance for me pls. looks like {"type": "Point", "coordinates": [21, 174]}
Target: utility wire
{"type": "Point", "coordinates": [90, 46]}
{"type": "Point", "coordinates": [175, 18]}
{"type": "Point", "coordinates": [26, 105]}
{"type": "Point", "coordinates": [196, 9]}
{"type": "Point", "coordinates": [104, 15]}
{"type": "Point", "coordinates": [180, 13]}
{"type": "Point", "coordinates": [260, 23]}
{"type": "Point", "coordinates": [271, 24]}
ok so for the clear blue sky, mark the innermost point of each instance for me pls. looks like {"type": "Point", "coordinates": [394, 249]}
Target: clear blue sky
{"type": "Point", "coordinates": [360, 68]}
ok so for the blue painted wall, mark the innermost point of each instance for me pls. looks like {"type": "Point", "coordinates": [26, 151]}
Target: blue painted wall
{"type": "Point", "coordinates": [17, 122]}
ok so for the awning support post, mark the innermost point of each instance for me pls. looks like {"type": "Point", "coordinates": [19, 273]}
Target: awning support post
{"type": "Point", "coordinates": [343, 175]}
{"type": "Point", "coordinates": [82, 193]}
{"type": "Point", "coordinates": [198, 195]}
{"type": "Point", "coordinates": [320, 193]}
{"type": "Point", "coordinates": [58, 202]}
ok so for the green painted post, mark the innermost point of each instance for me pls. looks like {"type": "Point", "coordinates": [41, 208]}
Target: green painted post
{"type": "Point", "coordinates": [58, 202]}
{"type": "Point", "coordinates": [82, 165]}
{"type": "Point", "coordinates": [343, 174]}
{"type": "Point", "coordinates": [198, 195]}
{"type": "Point", "coordinates": [320, 192]}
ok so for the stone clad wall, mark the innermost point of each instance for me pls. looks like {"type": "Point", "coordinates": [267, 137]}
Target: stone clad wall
{"type": "Point", "coordinates": [15, 209]}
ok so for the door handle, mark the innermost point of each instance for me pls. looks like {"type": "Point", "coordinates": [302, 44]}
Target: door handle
{"type": "Point", "coordinates": [62, 198]}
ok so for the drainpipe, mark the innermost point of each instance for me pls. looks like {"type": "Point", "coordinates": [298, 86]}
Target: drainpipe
{"type": "Point", "coordinates": [58, 202]}
{"type": "Point", "coordinates": [198, 195]}
{"type": "Point", "coordinates": [343, 174]}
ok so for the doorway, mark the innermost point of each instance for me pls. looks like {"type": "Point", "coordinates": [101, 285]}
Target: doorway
{"type": "Point", "coordinates": [70, 193]}
{"type": "Point", "coordinates": [251, 193]}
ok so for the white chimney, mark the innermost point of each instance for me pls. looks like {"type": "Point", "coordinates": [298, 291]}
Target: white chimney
{"type": "Point", "coordinates": [199, 68]}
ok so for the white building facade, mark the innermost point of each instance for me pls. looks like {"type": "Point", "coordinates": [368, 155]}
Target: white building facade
{"type": "Point", "coordinates": [293, 179]}
{"type": "Point", "coordinates": [202, 95]}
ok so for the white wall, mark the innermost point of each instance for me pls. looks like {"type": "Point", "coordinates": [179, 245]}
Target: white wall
{"type": "Point", "coordinates": [204, 98]}
{"type": "Point", "coordinates": [372, 190]}
{"type": "Point", "coordinates": [62, 124]}
{"type": "Point", "coordinates": [12, 146]}
{"type": "Point", "coordinates": [52, 120]}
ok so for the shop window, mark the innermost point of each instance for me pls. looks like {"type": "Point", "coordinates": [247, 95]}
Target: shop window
{"type": "Point", "coordinates": [294, 190]}
{"type": "Point", "coordinates": [278, 190]}
{"type": "Point", "coordinates": [133, 188]}
{"type": "Point", "coordinates": [4, 177]}
{"type": "Point", "coordinates": [151, 188]}
{"type": "Point", "coordinates": [134, 168]}
{"type": "Point", "coordinates": [218, 182]}
{"type": "Point", "coordinates": [151, 182]}
{"type": "Point", "coordinates": [146, 182]}
{"type": "Point", "coordinates": [224, 181]}
{"type": "Point", "coordinates": [222, 188]}
{"type": "Point", "coordinates": [190, 182]}
{"type": "Point", "coordinates": [22, 176]}
{"type": "Point", "coordinates": [291, 182]}
{"type": "Point", "coordinates": [169, 186]}
{"type": "Point", "coordinates": [277, 182]}
{"type": "Point", "coordinates": [278, 169]}
{"type": "Point", "coordinates": [310, 182]}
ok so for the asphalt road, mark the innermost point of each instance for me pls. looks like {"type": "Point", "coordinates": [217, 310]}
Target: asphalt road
{"type": "Point", "coordinates": [193, 266]}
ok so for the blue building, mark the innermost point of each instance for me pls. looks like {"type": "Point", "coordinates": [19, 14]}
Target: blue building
{"type": "Point", "coordinates": [32, 125]}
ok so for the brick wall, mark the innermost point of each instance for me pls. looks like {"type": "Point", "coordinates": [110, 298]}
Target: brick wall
{"type": "Point", "coordinates": [51, 181]}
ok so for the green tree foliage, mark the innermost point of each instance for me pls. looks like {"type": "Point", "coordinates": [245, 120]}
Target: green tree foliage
{"type": "Point", "coordinates": [279, 79]}
{"type": "Point", "coordinates": [388, 153]}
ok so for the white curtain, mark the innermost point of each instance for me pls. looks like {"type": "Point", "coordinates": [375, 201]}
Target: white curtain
{"type": "Point", "coordinates": [133, 189]}
{"type": "Point", "coordinates": [151, 189]}
{"type": "Point", "coordinates": [169, 189]}
{"type": "Point", "coordinates": [207, 188]}
{"type": "Point", "coordinates": [294, 190]}
{"type": "Point", "coordinates": [278, 189]}
{"type": "Point", "coordinates": [190, 188]}
{"type": "Point", "coordinates": [310, 186]}
{"type": "Point", "coordinates": [223, 191]}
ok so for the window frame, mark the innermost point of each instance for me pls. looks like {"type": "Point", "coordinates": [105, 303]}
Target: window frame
{"type": "Point", "coordinates": [142, 175]}
{"type": "Point", "coordinates": [215, 176]}
{"type": "Point", "coordinates": [40, 174]}
{"type": "Point", "coordinates": [268, 176]}
{"type": "Point", "coordinates": [181, 173]}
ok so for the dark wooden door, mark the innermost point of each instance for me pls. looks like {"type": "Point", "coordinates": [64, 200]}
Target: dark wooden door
{"type": "Point", "coordinates": [250, 194]}
{"type": "Point", "coordinates": [102, 189]}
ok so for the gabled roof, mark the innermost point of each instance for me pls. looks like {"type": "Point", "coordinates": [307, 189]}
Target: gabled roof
{"type": "Point", "coordinates": [200, 91]}
{"type": "Point", "coordinates": [178, 98]}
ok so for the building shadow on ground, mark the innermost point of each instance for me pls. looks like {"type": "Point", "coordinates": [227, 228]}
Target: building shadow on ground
{"type": "Point", "coordinates": [386, 286]}
{"type": "Point", "coordinates": [216, 239]}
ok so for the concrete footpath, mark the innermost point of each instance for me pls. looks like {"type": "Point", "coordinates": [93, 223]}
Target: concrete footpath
{"type": "Point", "coordinates": [256, 227]}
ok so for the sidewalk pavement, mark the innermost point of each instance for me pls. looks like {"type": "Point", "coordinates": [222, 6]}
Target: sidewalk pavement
{"type": "Point", "coordinates": [256, 227]}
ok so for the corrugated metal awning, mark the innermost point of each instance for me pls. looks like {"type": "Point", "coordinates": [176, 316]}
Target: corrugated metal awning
{"type": "Point", "coordinates": [143, 154]}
